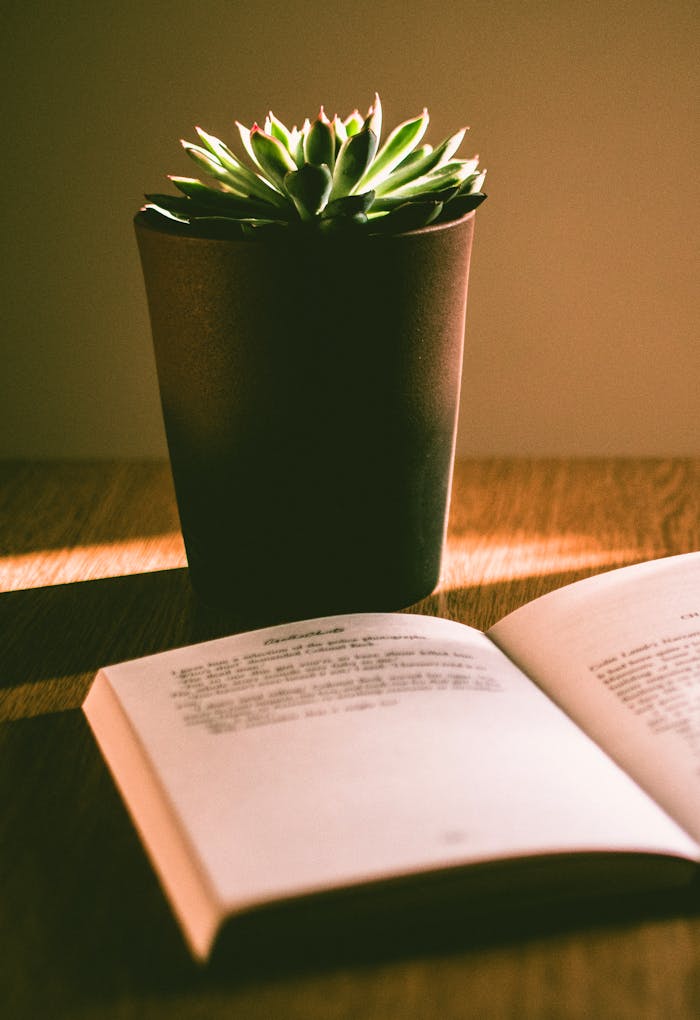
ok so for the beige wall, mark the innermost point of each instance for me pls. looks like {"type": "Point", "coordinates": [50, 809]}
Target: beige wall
{"type": "Point", "coordinates": [582, 329]}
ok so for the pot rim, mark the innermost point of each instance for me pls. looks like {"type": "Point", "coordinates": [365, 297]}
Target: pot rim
{"type": "Point", "coordinates": [143, 221]}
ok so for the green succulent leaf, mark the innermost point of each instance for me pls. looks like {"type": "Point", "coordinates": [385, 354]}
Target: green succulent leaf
{"type": "Point", "coordinates": [261, 227]}
{"type": "Point", "coordinates": [221, 201]}
{"type": "Point", "coordinates": [456, 167]}
{"type": "Point", "coordinates": [418, 165]}
{"type": "Point", "coordinates": [409, 168]}
{"type": "Point", "coordinates": [244, 134]}
{"type": "Point", "coordinates": [271, 155]}
{"type": "Point", "coordinates": [229, 170]}
{"type": "Point", "coordinates": [409, 216]}
{"type": "Point", "coordinates": [319, 143]}
{"type": "Point", "coordinates": [338, 224]}
{"type": "Point", "coordinates": [374, 117]}
{"type": "Point", "coordinates": [188, 213]}
{"type": "Point", "coordinates": [173, 203]}
{"type": "Point", "coordinates": [353, 123]}
{"type": "Point", "coordinates": [296, 145]}
{"type": "Point", "coordinates": [340, 132]}
{"type": "Point", "coordinates": [275, 127]}
{"type": "Point", "coordinates": [460, 205]}
{"type": "Point", "coordinates": [204, 159]}
{"type": "Point", "coordinates": [413, 157]}
{"type": "Point", "coordinates": [473, 184]}
{"type": "Point", "coordinates": [305, 128]}
{"type": "Point", "coordinates": [221, 152]}
{"type": "Point", "coordinates": [452, 176]}
{"type": "Point", "coordinates": [309, 188]}
{"type": "Point", "coordinates": [400, 142]}
{"type": "Point", "coordinates": [164, 208]}
{"type": "Point", "coordinates": [387, 203]}
{"type": "Point", "coordinates": [349, 206]}
{"type": "Point", "coordinates": [355, 156]}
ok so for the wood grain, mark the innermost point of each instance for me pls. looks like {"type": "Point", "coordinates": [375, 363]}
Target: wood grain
{"type": "Point", "coordinates": [92, 564]}
{"type": "Point", "coordinates": [92, 570]}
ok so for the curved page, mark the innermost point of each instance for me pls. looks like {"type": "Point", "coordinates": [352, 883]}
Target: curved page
{"type": "Point", "coordinates": [620, 653]}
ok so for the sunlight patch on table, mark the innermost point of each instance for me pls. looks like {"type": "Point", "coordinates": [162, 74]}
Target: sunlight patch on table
{"type": "Point", "coordinates": [471, 558]}
{"type": "Point", "coordinates": [44, 697]}
{"type": "Point", "coordinates": [90, 562]}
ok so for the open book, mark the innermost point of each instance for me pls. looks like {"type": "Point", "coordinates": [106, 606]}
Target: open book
{"type": "Point", "coordinates": [350, 752]}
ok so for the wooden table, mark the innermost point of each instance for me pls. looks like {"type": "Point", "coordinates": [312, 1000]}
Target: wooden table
{"type": "Point", "coordinates": [92, 570]}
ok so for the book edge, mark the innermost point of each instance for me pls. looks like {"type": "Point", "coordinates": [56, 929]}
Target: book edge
{"type": "Point", "coordinates": [189, 892]}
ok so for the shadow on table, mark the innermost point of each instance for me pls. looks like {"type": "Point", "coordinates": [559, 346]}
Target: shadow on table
{"type": "Point", "coordinates": [65, 632]}
{"type": "Point", "coordinates": [84, 923]}
{"type": "Point", "coordinates": [483, 605]}
{"type": "Point", "coordinates": [71, 630]}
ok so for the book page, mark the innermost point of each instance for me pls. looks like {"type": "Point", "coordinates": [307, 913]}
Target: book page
{"type": "Point", "coordinates": [620, 653]}
{"type": "Point", "coordinates": [337, 751]}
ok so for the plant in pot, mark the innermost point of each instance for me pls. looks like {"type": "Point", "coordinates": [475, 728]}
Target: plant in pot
{"type": "Point", "coordinates": [307, 304]}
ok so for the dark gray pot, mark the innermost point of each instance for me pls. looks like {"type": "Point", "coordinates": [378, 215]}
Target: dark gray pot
{"type": "Point", "coordinates": [310, 390]}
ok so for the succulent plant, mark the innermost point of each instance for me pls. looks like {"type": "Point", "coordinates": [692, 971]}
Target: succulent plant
{"type": "Point", "coordinates": [326, 175]}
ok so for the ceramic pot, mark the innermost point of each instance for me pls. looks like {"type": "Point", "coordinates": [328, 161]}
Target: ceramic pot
{"type": "Point", "coordinates": [310, 392]}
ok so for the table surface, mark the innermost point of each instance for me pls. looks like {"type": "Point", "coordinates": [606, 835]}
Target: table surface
{"type": "Point", "coordinates": [93, 570]}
